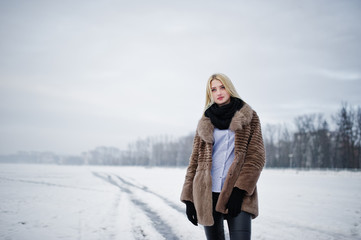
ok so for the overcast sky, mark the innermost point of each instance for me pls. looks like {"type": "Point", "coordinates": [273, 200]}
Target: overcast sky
{"type": "Point", "coordinates": [75, 75]}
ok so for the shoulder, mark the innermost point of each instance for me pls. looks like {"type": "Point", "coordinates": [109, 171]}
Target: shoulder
{"type": "Point", "coordinates": [242, 117]}
{"type": "Point", "coordinates": [205, 129]}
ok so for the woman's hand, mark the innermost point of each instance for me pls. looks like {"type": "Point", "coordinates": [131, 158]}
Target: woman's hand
{"type": "Point", "coordinates": [235, 201]}
{"type": "Point", "coordinates": [191, 213]}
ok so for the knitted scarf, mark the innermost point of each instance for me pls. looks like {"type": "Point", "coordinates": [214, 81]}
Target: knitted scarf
{"type": "Point", "coordinates": [222, 116]}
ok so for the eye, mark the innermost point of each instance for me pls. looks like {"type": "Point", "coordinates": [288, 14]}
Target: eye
{"type": "Point", "coordinates": [223, 87]}
{"type": "Point", "coordinates": [213, 89]}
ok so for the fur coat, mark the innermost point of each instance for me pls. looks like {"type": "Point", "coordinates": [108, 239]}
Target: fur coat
{"type": "Point", "coordinates": [243, 173]}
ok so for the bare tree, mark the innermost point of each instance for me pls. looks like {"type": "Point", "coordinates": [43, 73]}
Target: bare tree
{"type": "Point", "coordinates": [358, 135]}
{"type": "Point", "coordinates": [270, 147]}
{"type": "Point", "coordinates": [302, 141]}
{"type": "Point", "coordinates": [346, 137]}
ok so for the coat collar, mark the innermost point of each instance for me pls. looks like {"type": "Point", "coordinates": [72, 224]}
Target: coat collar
{"type": "Point", "coordinates": [241, 118]}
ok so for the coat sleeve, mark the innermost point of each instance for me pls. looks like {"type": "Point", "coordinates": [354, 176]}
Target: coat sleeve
{"type": "Point", "coordinates": [187, 191]}
{"type": "Point", "coordinates": [254, 159]}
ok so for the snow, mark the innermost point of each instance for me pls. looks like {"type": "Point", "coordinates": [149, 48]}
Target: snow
{"type": "Point", "coordinates": [98, 202]}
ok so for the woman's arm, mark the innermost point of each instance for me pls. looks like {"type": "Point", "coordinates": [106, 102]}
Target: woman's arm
{"type": "Point", "coordinates": [187, 191]}
{"type": "Point", "coordinates": [254, 160]}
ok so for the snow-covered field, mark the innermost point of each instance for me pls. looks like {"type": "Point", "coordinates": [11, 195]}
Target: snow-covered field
{"type": "Point", "coordinates": [92, 202]}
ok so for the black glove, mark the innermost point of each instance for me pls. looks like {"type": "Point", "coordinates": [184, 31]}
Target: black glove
{"type": "Point", "coordinates": [234, 204]}
{"type": "Point", "coordinates": [191, 212]}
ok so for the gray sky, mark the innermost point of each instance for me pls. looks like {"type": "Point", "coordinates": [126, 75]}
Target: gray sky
{"type": "Point", "coordinates": [79, 74]}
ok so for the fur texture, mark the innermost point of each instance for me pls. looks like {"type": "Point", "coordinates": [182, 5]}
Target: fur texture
{"type": "Point", "coordinates": [243, 173]}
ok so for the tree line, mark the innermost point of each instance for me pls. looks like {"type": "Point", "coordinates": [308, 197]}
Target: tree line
{"type": "Point", "coordinates": [310, 143]}
{"type": "Point", "coordinates": [151, 151]}
{"type": "Point", "coordinates": [314, 144]}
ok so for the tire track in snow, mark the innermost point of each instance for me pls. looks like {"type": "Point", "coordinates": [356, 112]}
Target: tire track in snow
{"type": "Point", "coordinates": [160, 226]}
{"type": "Point", "coordinates": [110, 180]}
{"type": "Point", "coordinates": [145, 189]}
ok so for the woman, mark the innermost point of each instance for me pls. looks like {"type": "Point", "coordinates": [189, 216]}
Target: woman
{"type": "Point", "coordinates": [226, 162]}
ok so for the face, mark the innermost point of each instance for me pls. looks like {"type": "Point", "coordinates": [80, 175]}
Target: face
{"type": "Point", "coordinates": [219, 93]}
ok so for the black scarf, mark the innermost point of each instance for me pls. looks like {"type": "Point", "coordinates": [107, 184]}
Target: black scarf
{"type": "Point", "coordinates": [222, 116]}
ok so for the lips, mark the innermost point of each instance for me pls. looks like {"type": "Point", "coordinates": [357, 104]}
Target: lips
{"type": "Point", "coordinates": [220, 98]}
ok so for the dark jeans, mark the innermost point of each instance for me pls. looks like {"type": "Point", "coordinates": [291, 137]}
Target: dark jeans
{"type": "Point", "coordinates": [239, 227]}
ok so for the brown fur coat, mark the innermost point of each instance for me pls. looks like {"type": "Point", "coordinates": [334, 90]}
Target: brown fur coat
{"type": "Point", "coordinates": [243, 173]}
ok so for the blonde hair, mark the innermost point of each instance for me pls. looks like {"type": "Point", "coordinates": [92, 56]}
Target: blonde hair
{"type": "Point", "coordinates": [227, 83]}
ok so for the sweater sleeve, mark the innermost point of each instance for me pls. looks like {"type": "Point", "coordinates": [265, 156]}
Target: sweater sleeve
{"type": "Point", "coordinates": [254, 159]}
{"type": "Point", "coordinates": [187, 191]}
